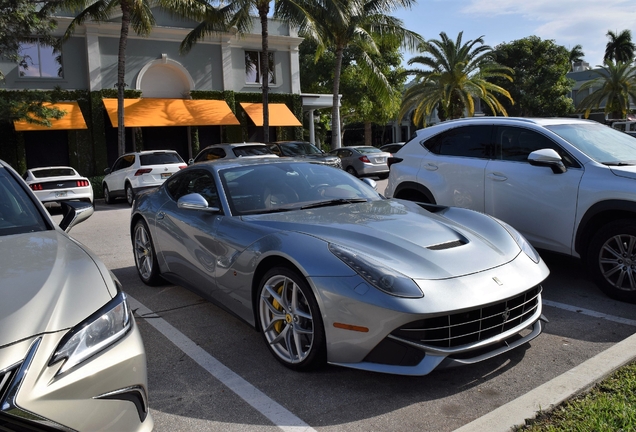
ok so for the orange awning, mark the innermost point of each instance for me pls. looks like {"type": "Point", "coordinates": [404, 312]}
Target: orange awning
{"type": "Point", "coordinates": [171, 112]}
{"type": "Point", "coordinates": [73, 119]}
{"type": "Point", "coordinates": [279, 114]}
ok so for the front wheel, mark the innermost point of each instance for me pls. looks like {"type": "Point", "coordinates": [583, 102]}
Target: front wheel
{"type": "Point", "coordinates": [612, 260]}
{"type": "Point", "coordinates": [145, 256]}
{"type": "Point", "coordinates": [108, 199]}
{"type": "Point", "coordinates": [290, 320]}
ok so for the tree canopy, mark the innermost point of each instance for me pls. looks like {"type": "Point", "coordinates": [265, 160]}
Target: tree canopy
{"type": "Point", "coordinates": [540, 87]}
{"type": "Point", "coordinates": [454, 75]}
{"type": "Point", "coordinates": [620, 47]}
{"type": "Point", "coordinates": [616, 87]}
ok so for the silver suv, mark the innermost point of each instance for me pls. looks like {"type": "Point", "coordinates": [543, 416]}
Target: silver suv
{"type": "Point", "coordinates": [567, 185]}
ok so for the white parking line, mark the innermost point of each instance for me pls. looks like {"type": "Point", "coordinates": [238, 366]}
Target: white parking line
{"type": "Point", "coordinates": [278, 414]}
{"type": "Point", "coordinates": [590, 312]}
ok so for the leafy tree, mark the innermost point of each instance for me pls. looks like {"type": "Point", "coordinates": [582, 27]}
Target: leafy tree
{"type": "Point", "coordinates": [616, 86]}
{"type": "Point", "coordinates": [20, 20]}
{"type": "Point", "coordinates": [576, 55]}
{"type": "Point", "coordinates": [456, 75]}
{"type": "Point", "coordinates": [620, 47]}
{"type": "Point", "coordinates": [341, 24]}
{"type": "Point", "coordinates": [540, 86]}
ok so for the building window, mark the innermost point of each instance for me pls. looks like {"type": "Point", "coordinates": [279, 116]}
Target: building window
{"type": "Point", "coordinates": [253, 67]}
{"type": "Point", "coordinates": [39, 60]}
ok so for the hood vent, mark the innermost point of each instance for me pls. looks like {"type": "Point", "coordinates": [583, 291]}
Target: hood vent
{"type": "Point", "coordinates": [448, 245]}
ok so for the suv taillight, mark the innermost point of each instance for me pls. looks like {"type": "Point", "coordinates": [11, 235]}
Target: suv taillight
{"type": "Point", "coordinates": [393, 160]}
{"type": "Point", "coordinates": [142, 171]}
{"type": "Point", "coordinates": [182, 166]}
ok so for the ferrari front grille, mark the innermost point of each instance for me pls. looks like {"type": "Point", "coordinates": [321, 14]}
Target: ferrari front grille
{"type": "Point", "coordinates": [474, 325]}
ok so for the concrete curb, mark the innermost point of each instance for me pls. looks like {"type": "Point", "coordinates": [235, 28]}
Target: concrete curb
{"type": "Point", "coordinates": [573, 382]}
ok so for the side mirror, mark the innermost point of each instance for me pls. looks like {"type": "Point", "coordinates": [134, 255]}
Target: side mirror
{"type": "Point", "coordinates": [106, 170]}
{"type": "Point", "coordinates": [370, 182]}
{"type": "Point", "coordinates": [190, 161]}
{"type": "Point", "coordinates": [195, 201]}
{"type": "Point", "coordinates": [547, 158]}
{"type": "Point", "coordinates": [75, 212]}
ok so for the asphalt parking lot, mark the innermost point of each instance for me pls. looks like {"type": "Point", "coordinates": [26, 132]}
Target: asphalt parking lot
{"type": "Point", "coordinates": [209, 371]}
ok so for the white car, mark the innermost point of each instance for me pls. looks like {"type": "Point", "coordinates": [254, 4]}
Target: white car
{"type": "Point", "coordinates": [568, 185]}
{"type": "Point", "coordinates": [233, 150]}
{"type": "Point", "coordinates": [134, 172]}
{"type": "Point", "coordinates": [58, 183]}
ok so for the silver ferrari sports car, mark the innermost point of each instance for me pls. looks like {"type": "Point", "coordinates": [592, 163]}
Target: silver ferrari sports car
{"type": "Point", "coordinates": [331, 271]}
{"type": "Point", "coordinates": [71, 356]}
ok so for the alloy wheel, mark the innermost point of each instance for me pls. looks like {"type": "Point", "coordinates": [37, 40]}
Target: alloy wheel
{"type": "Point", "coordinates": [617, 260]}
{"type": "Point", "coordinates": [143, 252]}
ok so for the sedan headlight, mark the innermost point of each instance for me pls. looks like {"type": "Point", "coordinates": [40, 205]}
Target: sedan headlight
{"type": "Point", "coordinates": [522, 242]}
{"type": "Point", "coordinates": [94, 334]}
{"type": "Point", "coordinates": [378, 275]}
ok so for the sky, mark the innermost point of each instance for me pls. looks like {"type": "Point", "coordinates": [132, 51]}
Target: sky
{"type": "Point", "coordinates": [566, 22]}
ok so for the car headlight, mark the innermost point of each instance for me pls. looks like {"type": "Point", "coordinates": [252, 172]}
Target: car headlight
{"type": "Point", "coordinates": [378, 275]}
{"type": "Point", "coordinates": [522, 242]}
{"type": "Point", "coordinates": [94, 334]}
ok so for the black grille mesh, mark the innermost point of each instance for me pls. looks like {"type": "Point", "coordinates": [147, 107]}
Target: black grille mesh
{"type": "Point", "coordinates": [472, 326]}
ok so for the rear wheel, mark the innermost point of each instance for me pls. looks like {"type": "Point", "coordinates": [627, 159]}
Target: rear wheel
{"type": "Point", "coordinates": [383, 176]}
{"type": "Point", "coordinates": [108, 199]}
{"type": "Point", "coordinates": [351, 170]}
{"type": "Point", "coordinates": [290, 320]}
{"type": "Point", "coordinates": [611, 259]}
{"type": "Point", "coordinates": [145, 256]}
{"type": "Point", "coordinates": [130, 194]}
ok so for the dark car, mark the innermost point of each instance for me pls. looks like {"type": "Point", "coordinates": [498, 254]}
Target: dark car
{"type": "Point", "coordinates": [303, 149]}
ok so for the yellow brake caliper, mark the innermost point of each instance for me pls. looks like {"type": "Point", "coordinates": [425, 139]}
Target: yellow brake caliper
{"type": "Point", "coordinates": [278, 326]}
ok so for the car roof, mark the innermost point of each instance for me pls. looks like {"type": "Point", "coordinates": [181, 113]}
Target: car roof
{"type": "Point", "coordinates": [51, 167]}
{"type": "Point", "coordinates": [219, 164]}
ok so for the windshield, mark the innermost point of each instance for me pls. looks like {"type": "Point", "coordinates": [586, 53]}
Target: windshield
{"type": "Point", "coordinates": [160, 159]}
{"type": "Point", "coordinates": [601, 143]}
{"type": "Point", "coordinates": [18, 213]}
{"type": "Point", "coordinates": [268, 188]}
{"type": "Point", "coordinates": [251, 150]}
{"type": "Point", "coordinates": [53, 172]}
{"type": "Point", "coordinates": [299, 149]}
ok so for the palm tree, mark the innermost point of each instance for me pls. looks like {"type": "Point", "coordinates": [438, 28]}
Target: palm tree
{"type": "Point", "coordinates": [237, 14]}
{"type": "Point", "coordinates": [576, 55]}
{"type": "Point", "coordinates": [340, 24]}
{"type": "Point", "coordinates": [620, 47]}
{"type": "Point", "coordinates": [616, 87]}
{"type": "Point", "coordinates": [456, 75]}
{"type": "Point", "coordinates": [135, 13]}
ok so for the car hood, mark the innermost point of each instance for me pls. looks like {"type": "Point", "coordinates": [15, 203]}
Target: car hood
{"type": "Point", "coordinates": [627, 171]}
{"type": "Point", "coordinates": [47, 283]}
{"type": "Point", "coordinates": [319, 157]}
{"type": "Point", "coordinates": [406, 237]}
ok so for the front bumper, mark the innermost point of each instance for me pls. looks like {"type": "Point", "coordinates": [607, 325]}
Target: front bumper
{"type": "Point", "coordinates": [107, 392]}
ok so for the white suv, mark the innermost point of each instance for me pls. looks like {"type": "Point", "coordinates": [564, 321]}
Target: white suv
{"type": "Point", "coordinates": [134, 172]}
{"type": "Point", "coordinates": [567, 185]}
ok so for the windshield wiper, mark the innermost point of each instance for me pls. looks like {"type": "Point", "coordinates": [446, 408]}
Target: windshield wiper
{"type": "Point", "coordinates": [334, 202]}
{"type": "Point", "coordinates": [617, 164]}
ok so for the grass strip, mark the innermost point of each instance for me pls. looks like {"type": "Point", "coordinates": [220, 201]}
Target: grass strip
{"type": "Point", "coordinates": [609, 406]}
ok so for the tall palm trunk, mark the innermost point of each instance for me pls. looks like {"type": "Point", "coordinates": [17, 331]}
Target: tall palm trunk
{"type": "Point", "coordinates": [263, 10]}
{"type": "Point", "coordinates": [121, 76]}
{"type": "Point", "coordinates": [336, 139]}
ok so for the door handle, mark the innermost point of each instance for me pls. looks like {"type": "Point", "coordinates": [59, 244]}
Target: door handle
{"type": "Point", "coordinates": [430, 166]}
{"type": "Point", "coordinates": [160, 215]}
{"type": "Point", "coordinates": [497, 177]}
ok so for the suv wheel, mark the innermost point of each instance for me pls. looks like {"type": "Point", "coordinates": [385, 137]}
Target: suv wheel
{"type": "Point", "coordinates": [107, 198]}
{"type": "Point", "coordinates": [612, 260]}
{"type": "Point", "coordinates": [130, 195]}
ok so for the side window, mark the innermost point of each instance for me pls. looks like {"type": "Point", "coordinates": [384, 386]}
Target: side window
{"type": "Point", "coordinates": [119, 164]}
{"type": "Point", "coordinates": [515, 144]}
{"type": "Point", "coordinates": [346, 153]}
{"type": "Point", "coordinates": [467, 141]}
{"type": "Point", "coordinates": [211, 154]}
{"type": "Point", "coordinates": [274, 148]}
{"type": "Point", "coordinates": [196, 181]}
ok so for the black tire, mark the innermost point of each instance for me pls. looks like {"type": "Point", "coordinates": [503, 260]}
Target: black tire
{"type": "Point", "coordinates": [145, 255]}
{"type": "Point", "coordinates": [108, 199]}
{"type": "Point", "coordinates": [383, 176]}
{"type": "Point", "coordinates": [130, 194]}
{"type": "Point", "coordinates": [351, 170]}
{"type": "Point", "coordinates": [286, 327]}
{"type": "Point", "coordinates": [611, 259]}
